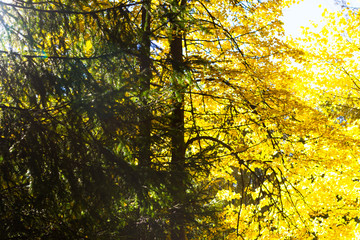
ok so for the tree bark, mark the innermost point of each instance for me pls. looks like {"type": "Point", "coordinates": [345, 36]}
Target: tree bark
{"type": "Point", "coordinates": [144, 115]}
{"type": "Point", "coordinates": [178, 171]}
{"type": "Point", "coordinates": [144, 86]}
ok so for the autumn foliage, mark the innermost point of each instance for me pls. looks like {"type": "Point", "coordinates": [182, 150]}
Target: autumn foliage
{"type": "Point", "coordinates": [176, 119]}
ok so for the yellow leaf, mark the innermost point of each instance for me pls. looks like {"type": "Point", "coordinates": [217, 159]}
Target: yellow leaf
{"type": "Point", "coordinates": [88, 48]}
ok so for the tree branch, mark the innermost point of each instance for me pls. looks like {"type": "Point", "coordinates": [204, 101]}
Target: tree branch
{"type": "Point", "coordinates": [233, 152]}
{"type": "Point", "coordinates": [69, 11]}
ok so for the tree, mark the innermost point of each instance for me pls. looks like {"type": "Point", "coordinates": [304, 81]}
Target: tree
{"type": "Point", "coordinates": [159, 119]}
{"type": "Point", "coordinates": [327, 81]}
{"type": "Point", "coordinates": [65, 164]}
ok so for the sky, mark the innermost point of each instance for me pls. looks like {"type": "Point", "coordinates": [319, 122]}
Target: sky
{"type": "Point", "coordinates": [306, 11]}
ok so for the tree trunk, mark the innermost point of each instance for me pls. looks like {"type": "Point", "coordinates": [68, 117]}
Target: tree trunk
{"type": "Point", "coordinates": [144, 85]}
{"type": "Point", "coordinates": [144, 139]}
{"type": "Point", "coordinates": [178, 172]}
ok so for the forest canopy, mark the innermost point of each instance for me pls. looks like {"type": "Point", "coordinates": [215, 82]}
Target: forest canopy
{"type": "Point", "coordinates": [177, 119]}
